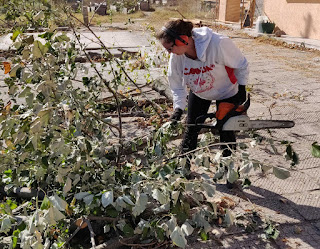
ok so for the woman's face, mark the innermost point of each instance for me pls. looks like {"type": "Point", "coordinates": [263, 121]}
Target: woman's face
{"type": "Point", "coordinates": [172, 48]}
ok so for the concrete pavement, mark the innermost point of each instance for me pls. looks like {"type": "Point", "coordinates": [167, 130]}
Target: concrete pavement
{"type": "Point", "coordinates": [300, 41]}
{"type": "Point", "coordinates": [111, 39]}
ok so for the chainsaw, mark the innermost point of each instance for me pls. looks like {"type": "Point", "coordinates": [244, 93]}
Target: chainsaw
{"type": "Point", "coordinates": [236, 119]}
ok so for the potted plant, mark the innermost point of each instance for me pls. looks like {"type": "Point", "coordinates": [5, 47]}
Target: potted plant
{"type": "Point", "coordinates": [268, 27]}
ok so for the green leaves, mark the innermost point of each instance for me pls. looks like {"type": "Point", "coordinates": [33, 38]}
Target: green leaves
{"type": "Point", "coordinates": [246, 183]}
{"type": "Point", "coordinates": [15, 237]}
{"type": "Point", "coordinates": [315, 149]}
{"type": "Point", "coordinates": [178, 238]}
{"type": "Point", "coordinates": [232, 175]}
{"type": "Point", "coordinates": [5, 224]}
{"type": "Point", "coordinates": [200, 220]}
{"type": "Point", "coordinates": [53, 215]}
{"type": "Point", "coordinates": [281, 172]}
{"type": "Point", "coordinates": [128, 230]}
{"type": "Point", "coordinates": [40, 15]}
{"type": "Point", "coordinates": [160, 196]}
{"type": "Point", "coordinates": [39, 50]}
{"type": "Point", "coordinates": [45, 203]}
{"type": "Point", "coordinates": [271, 232]}
{"type": "Point", "coordinates": [62, 38]}
{"type": "Point", "coordinates": [8, 206]}
{"type": "Point", "coordinates": [46, 35]}
{"type": "Point", "coordinates": [140, 205]}
{"type": "Point", "coordinates": [107, 198]}
{"type": "Point", "coordinates": [209, 189]}
{"type": "Point", "coordinates": [181, 211]}
{"type": "Point", "coordinates": [203, 235]}
{"type": "Point", "coordinates": [15, 34]}
{"type": "Point", "coordinates": [7, 176]}
{"type": "Point", "coordinates": [290, 154]}
{"type": "Point", "coordinates": [67, 186]}
{"type": "Point", "coordinates": [57, 202]}
{"type": "Point", "coordinates": [187, 228]}
{"type": "Point", "coordinates": [81, 195]}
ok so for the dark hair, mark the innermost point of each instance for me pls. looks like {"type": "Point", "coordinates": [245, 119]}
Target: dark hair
{"type": "Point", "coordinates": [180, 27]}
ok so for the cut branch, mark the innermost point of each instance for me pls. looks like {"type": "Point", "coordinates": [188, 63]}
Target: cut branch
{"type": "Point", "coordinates": [22, 192]}
{"type": "Point", "coordinates": [109, 219]}
{"type": "Point", "coordinates": [92, 234]}
{"type": "Point", "coordinates": [116, 244]}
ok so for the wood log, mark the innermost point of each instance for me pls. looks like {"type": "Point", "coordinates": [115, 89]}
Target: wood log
{"type": "Point", "coordinates": [118, 243]}
{"type": "Point", "coordinates": [22, 192]}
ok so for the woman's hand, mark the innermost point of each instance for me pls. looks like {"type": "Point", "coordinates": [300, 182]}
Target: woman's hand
{"type": "Point", "coordinates": [176, 116]}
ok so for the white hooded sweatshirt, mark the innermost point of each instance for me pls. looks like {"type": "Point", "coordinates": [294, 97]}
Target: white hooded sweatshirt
{"type": "Point", "coordinates": [216, 73]}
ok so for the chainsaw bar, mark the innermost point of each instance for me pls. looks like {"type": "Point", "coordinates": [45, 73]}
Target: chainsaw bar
{"type": "Point", "coordinates": [270, 124]}
{"type": "Point", "coordinates": [243, 123]}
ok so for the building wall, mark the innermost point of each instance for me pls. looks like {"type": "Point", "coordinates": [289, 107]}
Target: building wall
{"type": "Point", "coordinates": [300, 18]}
{"type": "Point", "coordinates": [229, 10]}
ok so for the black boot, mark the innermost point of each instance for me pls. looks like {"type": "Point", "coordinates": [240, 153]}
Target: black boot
{"type": "Point", "coordinates": [228, 136]}
{"type": "Point", "coordinates": [189, 142]}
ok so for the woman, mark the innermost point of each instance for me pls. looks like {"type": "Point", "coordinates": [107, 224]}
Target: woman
{"type": "Point", "coordinates": [211, 66]}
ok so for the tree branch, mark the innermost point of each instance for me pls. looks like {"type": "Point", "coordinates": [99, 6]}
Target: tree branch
{"type": "Point", "coordinates": [116, 244]}
{"type": "Point", "coordinates": [107, 84]}
{"type": "Point", "coordinates": [96, 12]}
{"type": "Point", "coordinates": [154, 105]}
{"type": "Point", "coordinates": [92, 234]}
{"type": "Point", "coordinates": [109, 219]}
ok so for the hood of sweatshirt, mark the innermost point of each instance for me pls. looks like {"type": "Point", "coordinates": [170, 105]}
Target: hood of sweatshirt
{"type": "Point", "coordinates": [202, 37]}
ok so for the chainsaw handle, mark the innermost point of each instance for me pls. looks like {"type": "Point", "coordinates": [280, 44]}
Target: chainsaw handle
{"type": "Point", "coordinates": [202, 118]}
{"type": "Point", "coordinates": [199, 120]}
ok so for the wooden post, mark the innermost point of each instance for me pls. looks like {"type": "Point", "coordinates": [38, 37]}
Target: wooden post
{"type": "Point", "coordinates": [217, 9]}
{"type": "Point", "coordinates": [85, 5]}
{"type": "Point", "coordinates": [242, 13]}
{"type": "Point", "coordinates": [251, 12]}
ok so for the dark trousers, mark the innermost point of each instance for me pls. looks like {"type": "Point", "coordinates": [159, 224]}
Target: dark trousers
{"type": "Point", "coordinates": [198, 107]}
